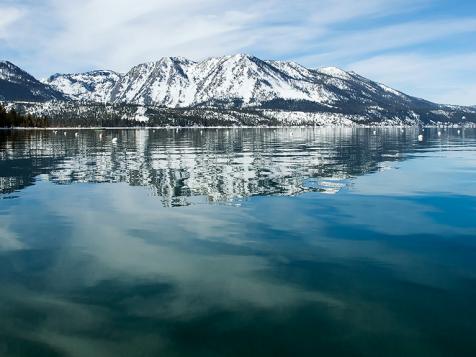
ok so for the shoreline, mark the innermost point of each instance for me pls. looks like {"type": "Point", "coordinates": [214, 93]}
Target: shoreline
{"type": "Point", "coordinates": [456, 126]}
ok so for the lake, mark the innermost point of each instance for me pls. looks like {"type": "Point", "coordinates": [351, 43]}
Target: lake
{"type": "Point", "coordinates": [238, 242]}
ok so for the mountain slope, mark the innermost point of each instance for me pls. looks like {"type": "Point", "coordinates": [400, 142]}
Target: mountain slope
{"type": "Point", "coordinates": [166, 82]}
{"type": "Point", "coordinates": [236, 81]}
{"type": "Point", "coordinates": [94, 86]}
{"type": "Point", "coordinates": [244, 82]}
{"type": "Point", "coordinates": [18, 85]}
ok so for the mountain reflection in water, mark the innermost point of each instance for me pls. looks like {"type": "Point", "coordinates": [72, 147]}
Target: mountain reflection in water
{"type": "Point", "coordinates": [94, 261]}
{"type": "Point", "coordinates": [188, 165]}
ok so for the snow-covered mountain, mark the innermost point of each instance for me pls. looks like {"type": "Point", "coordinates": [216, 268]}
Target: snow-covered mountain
{"type": "Point", "coordinates": [94, 86]}
{"type": "Point", "coordinates": [244, 82]}
{"type": "Point", "coordinates": [17, 85]}
{"type": "Point", "coordinates": [230, 81]}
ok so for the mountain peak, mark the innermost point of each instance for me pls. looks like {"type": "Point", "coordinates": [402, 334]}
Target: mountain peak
{"type": "Point", "coordinates": [16, 84]}
{"type": "Point", "coordinates": [239, 78]}
{"type": "Point", "coordinates": [13, 73]}
{"type": "Point", "coordinates": [7, 63]}
{"type": "Point", "coordinates": [239, 57]}
{"type": "Point", "coordinates": [91, 86]}
{"type": "Point", "coordinates": [239, 81]}
{"type": "Point", "coordinates": [245, 56]}
{"type": "Point", "coordinates": [165, 60]}
{"type": "Point", "coordinates": [175, 59]}
{"type": "Point", "coordinates": [8, 68]}
{"type": "Point", "coordinates": [242, 56]}
{"type": "Point", "coordinates": [334, 72]}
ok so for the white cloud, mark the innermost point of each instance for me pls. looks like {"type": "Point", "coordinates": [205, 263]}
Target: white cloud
{"type": "Point", "coordinates": [68, 36]}
{"type": "Point", "coordinates": [332, 12]}
{"type": "Point", "coordinates": [366, 42]}
{"type": "Point", "coordinates": [441, 78]}
{"type": "Point", "coordinates": [8, 16]}
{"type": "Point", "coordinates": [119, 34]}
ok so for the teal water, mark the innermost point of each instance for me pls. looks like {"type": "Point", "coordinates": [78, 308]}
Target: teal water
{"type": "Point", "coordinates": [238, 242]}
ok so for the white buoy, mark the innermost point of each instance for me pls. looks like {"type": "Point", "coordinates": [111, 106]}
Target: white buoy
{"type": "Point", "coordinates": [76, 134]}
{"type": "Point", "coordinates": [375, 132]}
{"type": "Point", "coordinates": [420, 137]}
{"type": "Point", "coordinates": [114, 140]}
{"type": "Point", "coordinates": [100, 135]}
{"type": "Point", "coordinates": [55, 132]}
{"type": "Point", "coordinates": [439, 133]}
{"type": "Point", "coordinates": [64, 133]}
{"type": "Point", "coordinates": [459, 131]}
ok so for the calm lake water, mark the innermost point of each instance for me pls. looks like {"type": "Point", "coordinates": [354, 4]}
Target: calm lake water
{"type": "Point", "coordinates": [238, 242]}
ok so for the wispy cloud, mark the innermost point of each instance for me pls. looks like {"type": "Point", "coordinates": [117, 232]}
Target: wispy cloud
{"type": "Point", "coordinates": [61, 35]}
{"type": "Point", "coordinates": [384, 38]}
{"type": "Point", "coordinates": [443, 78]}
{"type": "Point", "coordinates": [124, 32]}
{"type": "Point", "coordinates": [9, 15]}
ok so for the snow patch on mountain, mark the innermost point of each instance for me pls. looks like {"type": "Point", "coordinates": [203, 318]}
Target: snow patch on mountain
{"type": "Point", "coordinates": [391, 90]}
{"type": "Point", "coordinates": [241, 79]}
{"type": "Point", "coordinates": [16, 84]}
{"type": "Point", "coordinates": [335, 72]}
{"type": "Point", "coordinates": [227, 89]}
{"type": "Point", "coordinates": [320, 119]}
{"type": "Point", "coordinates": [92, 86]}
{"type": "Point", "coordinates": [140, 115]}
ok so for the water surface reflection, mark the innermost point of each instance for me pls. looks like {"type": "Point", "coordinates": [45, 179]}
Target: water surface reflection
{"type": "Point", "coordinates": [104, 267]}
{"type": "Point", "coordinates": [219, 165]}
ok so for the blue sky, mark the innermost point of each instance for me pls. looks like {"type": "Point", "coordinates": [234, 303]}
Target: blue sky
{"type": "Point", "coordinates": [426, 48]}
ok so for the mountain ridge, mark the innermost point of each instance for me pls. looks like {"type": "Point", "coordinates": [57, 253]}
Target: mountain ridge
{"type": "Point", "coordinates": [15, 83]}
{"type": "Point", "coordinates": [180, 68]}
{"type": "Point", "coordinates": [239, 82]}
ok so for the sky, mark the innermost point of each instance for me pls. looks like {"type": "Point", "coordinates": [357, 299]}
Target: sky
{"type": "Point", "coordinates": [425, 48]}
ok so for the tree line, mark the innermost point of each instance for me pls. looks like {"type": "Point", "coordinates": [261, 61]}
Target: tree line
{"type": "Point", "coordinates": [13, 119]}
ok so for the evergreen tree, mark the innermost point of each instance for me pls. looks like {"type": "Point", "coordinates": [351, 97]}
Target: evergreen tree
{"type": "Point", "coordinates": [3, 116]}
{"type": "Point", "coordinates": [13, 119]}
